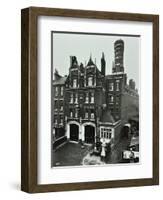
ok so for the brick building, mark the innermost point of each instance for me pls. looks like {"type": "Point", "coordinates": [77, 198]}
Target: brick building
{"type": "Point", "coordinates": [95, 105]}
{"type": "Point", "coordinates": [58, 111]}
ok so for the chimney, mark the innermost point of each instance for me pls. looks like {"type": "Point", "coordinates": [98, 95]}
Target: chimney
{"type": "Point", "coordinates": [71, 58]}
{"type": "Point", "coordinates": [119, 54]}
{"type": "Point", "coordinates": [103, 64]}
{"type": "Point", "coordinates": [132, 84]}
{"type": "Point", "coordinates": [73, 61]}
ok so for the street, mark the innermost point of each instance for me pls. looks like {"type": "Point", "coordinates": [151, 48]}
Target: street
{"type": "Point", "coordinates": [72, 154]}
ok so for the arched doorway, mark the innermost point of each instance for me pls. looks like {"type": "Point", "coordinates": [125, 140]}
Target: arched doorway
{"type": "Point", "coordinates": [74, 132]}
{"type": "Point", "coordinates": [89, 134]}
{"type": "Point", "coordinates": [125, 132]}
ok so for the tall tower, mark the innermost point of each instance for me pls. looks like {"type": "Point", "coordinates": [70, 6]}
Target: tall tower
{"type": "Point", "coordinates": [118, 53]}
{"type": "Point", "coordinates": [103, 64]}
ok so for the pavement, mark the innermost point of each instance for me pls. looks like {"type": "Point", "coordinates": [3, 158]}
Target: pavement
{"type": "Point", "coordinates": [70, 154]}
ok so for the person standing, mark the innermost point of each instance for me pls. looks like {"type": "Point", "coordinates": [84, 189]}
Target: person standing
{"type": "Point", "coordinates": [103, 152]}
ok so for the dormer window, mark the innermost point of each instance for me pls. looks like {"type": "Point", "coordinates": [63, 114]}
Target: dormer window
{"type": "Point", "coordinates": [90, 81]}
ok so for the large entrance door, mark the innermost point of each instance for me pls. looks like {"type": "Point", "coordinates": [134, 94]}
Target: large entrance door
{"type": "Point", "coordinates": [89, 134]}
{"type": "Point", "coordinates": [74, 132]}
{"type": "Point", "coordinates": [125, 132]}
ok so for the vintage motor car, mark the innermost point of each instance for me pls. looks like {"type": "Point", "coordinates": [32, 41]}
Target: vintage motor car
{"type": "Point", "coordinates": [132, 154]}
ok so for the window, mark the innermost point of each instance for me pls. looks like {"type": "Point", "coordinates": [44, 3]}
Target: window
{"type": "Point", "coordinates": [71, 113]}
{"type": "Point", "coordinates": [71, 98]}
{"type": "Point", "coordinates": [92, 97]}
{"type": "Point", "coordinates": [55, 121]}
{"type": "Point", "coordinates": [87, 98]}
{"type": "Point", "coordinates": [90, 81]}
{"type": "Point", "coordinates": [102, 133]}
{"type": "Point", "coordinates": [61, 121]}
{"type": "Point", "coordinates": [55, 105]}
{"type": "Point", "coordinates": [92, 115]}
{"type": "Point", "coordinates": [76, 98]}
{"type": "Point", "coordinates": [117, 85]}
{"type": "Point", "coordinates": [111, 98]}
{"type": "Point", "coordinates": [56, 91]}
{"type": "Point", "coordinates": [74, 83]}
{"type": "Point", "coordinates": [112, 111]}
{"type": "Point", "coordinates": [61, 90]}
{"type": "Point", "coordinates": [111, 86]}
{"type": "Point", "coordinates": [106, 133]}
{"type": "Point", "coordinates": [86, 115]}
{"type": "Point", "coordinates": [117, 99]}
{"type": "Point", "coordinates": [61, 108]}
{"type": "Point", "coordinates": [117, 116]}
{"type": "Point", "coordinates": [76, 113]}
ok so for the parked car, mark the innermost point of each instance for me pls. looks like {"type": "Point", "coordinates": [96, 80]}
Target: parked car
{"type": "Point", "coordinates": [132, 153]}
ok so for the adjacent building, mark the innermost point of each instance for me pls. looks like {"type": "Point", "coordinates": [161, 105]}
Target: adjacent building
{"type": "Point", "coordinates": [58, 111]}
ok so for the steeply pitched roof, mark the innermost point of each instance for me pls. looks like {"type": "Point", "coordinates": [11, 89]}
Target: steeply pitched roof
{"type": "Point", "coordinates": [107, 117]}
{"type": "Point", "coordinates": [90, 62]}
{"type": "Point", "coordinates": [60, 81]}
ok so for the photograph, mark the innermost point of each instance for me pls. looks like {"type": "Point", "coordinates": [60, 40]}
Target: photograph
{"type": "Point", "coordinates": [90, 99]}
{"type": "Point", "coordinates": [94, 99]}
